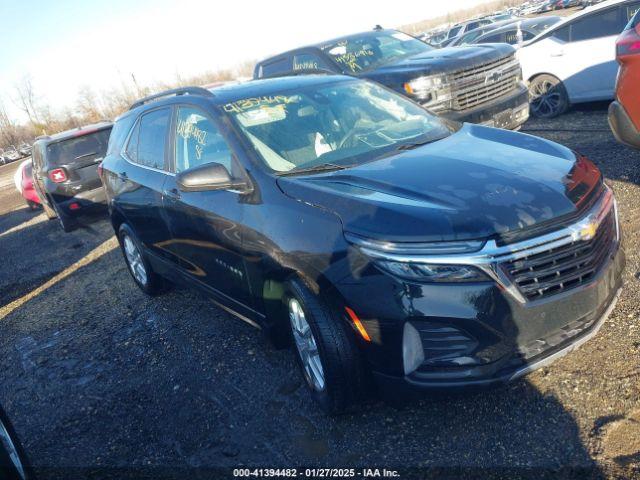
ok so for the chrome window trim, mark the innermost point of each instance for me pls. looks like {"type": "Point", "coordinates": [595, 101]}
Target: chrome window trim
{"type": "Point", "coordinates": [490, 256]}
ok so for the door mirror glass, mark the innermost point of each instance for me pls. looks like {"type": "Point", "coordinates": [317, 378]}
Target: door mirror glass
{"type": "Point", "coordinates": [210, 176]}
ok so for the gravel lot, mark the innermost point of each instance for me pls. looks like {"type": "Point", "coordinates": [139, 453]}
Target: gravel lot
{"type": "Point", "coordinates": [98, 378]}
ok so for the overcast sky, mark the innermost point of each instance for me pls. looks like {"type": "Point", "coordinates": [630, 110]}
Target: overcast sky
{"type": "Point", "coordinates": [65, 44]}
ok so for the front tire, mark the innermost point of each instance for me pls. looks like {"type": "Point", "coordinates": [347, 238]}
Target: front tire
{"type": "Point", "coordinates": [325, 350]}
{"type": "Point", "coordinates": [147, 280]}
{"type": "Point", "coordinates": [548, 97]}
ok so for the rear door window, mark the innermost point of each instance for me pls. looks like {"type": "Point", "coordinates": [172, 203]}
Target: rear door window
{"type": "Point", "coordinates": [146, 144]}
{"type": "Point", "coordinates": [82, 148]}
{"type": "Point", "coordinates": [598, 25]}
{"type": "Point", "coordinates": [198, 141]}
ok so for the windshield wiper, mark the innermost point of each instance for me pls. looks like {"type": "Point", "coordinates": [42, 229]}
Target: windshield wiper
{"type": "Point", "coordinates": [411, 146]}
{"type": "Point", "coordinates": [323, 167]}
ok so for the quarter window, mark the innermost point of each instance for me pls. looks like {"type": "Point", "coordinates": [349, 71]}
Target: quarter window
{"type": "Point", "coordinates": [147, 141]}
{"type": "Point", "coordinates": [198, 141]}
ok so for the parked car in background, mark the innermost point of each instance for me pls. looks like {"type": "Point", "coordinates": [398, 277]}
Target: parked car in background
{"type": "Point", "coordinates": [461, 28]}
{"type": "Point", "coordinates": [23, 179]}
{"type": "Point", "coordinates": [380, 238]}
{"type": "Point", "coordinates": [435, 39]}
{"type": "Point", "coordinates": [519, 32]}
{"type": "Point", "coordinates": [471, 35]}
{"type": "Point", "coordinates": [624, 112]}
{"type": "Point", "coordinates": [65, 171]}
{"type": "Point", "coordinates": [479, 84]}
{"type": "Point", "coordinates": [11, 154]}
{"type": "Point", "coordinates": [24, 149]}
{"type": "Point", "coordinates": [574, 60]}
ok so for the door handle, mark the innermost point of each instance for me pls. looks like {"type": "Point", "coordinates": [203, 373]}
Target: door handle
{"type": "Point", "coordinates": [172, 193]}
{"type": "Point", "coordinates": [559, 53]}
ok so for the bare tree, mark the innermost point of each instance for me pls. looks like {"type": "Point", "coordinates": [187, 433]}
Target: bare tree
{"type": "Point", "coordinates": [26, 99]}
{"type": "Point", "coordinates": [8, 128]}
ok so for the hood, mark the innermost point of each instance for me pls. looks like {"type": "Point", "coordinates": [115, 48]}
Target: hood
{"type": "Point", "coordinates": [443, 60]}
{"type": "Point", "coordinates": [478, 183]}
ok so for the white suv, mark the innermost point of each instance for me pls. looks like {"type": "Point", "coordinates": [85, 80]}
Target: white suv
{"type": "Point", "coordinates": [575, 60]}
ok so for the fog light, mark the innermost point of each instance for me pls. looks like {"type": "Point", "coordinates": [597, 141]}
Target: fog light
{"type": "Point", "coordinates": [412, 351]}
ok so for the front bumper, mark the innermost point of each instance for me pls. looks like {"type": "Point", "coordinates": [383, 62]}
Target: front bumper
{"type": "Point", "coordinates": [509, 111]}
{"type": "Point", "coordinates": [622, 127]}
{"type": "Point", "coordinates": [481, 333]}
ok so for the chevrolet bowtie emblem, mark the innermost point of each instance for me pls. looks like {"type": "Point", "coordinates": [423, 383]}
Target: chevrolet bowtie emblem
{"type": "Point", "coordinates": [586, 229]}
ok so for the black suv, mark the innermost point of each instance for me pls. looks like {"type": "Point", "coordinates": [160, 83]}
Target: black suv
{"type": "Point", "coordinates": [477, 84]}
{"type": "Point", "coordinates": [380, 238]}
{"type": "Point", "coordinates": [65, 171]}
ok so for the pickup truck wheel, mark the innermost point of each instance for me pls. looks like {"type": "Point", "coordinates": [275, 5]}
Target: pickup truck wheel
{"type": "Point", "coordinates": [328, 357]}
{"type": "Point", "coordinates": [548, 96]}
{"type": "Point", "coordinates": [147, 280]}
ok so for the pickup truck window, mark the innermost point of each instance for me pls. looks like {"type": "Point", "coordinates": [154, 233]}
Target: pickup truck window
{"type": "Point", "coordinates": [276, 67]}
{"type": "Point", "coordinates": [370, 50]}
{"type": "Point", "coordinates": [307, 61]}
{"type": "Point", "coordinates": [341, 123]}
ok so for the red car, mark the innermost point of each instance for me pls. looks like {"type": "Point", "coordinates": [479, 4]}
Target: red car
{"type": "Point", "coordinates": [24, 183]}
{"type": "Point", "coordinates": [624, 112]}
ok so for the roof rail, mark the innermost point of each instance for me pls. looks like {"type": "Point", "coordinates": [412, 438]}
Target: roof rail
{"type": "Point", "coordinates": [175, 91]}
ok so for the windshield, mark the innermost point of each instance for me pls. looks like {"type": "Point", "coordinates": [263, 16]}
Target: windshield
{"type": "Point", "coordinates": [370, 50]}
{"type": "Point", "coordinates": [85, 147]}
{"type": "Point", "coordinates": [336, 125]}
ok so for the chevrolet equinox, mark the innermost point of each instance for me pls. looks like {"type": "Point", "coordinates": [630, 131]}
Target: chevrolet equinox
{"type": "Point", "coordinates": [379, 240]}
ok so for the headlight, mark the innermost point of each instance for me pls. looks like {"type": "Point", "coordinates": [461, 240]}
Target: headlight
{"type": "Point", "coordinates": [433, 273]}
{"type": "Point", "coordinates": [422, 85]}
{"type": "Point", "coordinates": [432, 89]}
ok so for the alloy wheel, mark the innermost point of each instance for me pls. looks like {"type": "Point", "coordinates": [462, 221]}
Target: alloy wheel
{"type": "Point", "coordinates": [134, 260]}
{"type": "Point", "coordinates": [306, 346]}
{"type": "Point", "coordinates": [546, 99]}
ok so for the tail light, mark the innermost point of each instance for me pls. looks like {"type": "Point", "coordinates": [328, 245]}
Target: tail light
{"type": "Point", "coordinates": [628, 43]}
{"type": "Point", "coordinates": [58, 175]}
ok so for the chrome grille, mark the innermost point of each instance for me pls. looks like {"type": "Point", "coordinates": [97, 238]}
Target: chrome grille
{"type": "Point", "coordinates": [484, 83]}
{"type": "Point", "coordinates": [560, 269]}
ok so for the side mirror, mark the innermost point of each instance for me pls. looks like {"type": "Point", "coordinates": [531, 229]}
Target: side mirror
{"type": "Point", "coordinates": [210, 176]}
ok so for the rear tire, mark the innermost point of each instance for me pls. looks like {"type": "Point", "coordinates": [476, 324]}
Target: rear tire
{"type": "Point", "coordinates": [325, 350]}
{"type": "Point", "coordinates": [147, 280]}
{"type": "Point", "coordinates": [548, 97]}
